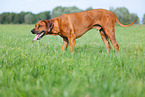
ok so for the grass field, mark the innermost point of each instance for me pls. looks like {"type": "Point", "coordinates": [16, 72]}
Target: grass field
{"type": "Point", "coordinates": [39, 69]}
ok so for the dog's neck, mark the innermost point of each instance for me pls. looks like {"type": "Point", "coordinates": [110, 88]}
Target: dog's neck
{"type": "Point", "coordinates": [55, 31]}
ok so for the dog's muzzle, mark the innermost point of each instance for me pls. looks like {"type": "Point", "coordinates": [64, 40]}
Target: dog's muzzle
{"type": "Point", "coordinates": [33, 32]}
{"type": "Point", "coordinates": [38, 36]}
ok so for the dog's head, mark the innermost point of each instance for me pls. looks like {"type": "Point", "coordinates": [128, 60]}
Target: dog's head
{"type": "Point", "coordinates": [42, 28]}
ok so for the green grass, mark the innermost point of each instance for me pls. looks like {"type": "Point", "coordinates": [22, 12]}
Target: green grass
{"type": "Point", "coordinates": [39, 69]}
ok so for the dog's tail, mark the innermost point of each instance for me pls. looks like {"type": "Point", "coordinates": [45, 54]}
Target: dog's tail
{"type": "Point", "coordinates": [122, 24]}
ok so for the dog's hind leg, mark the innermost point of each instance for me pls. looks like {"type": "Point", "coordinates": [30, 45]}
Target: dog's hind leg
{"type": "Point", "coordinates": [111, 34]}
{"type": "Point", "coordinates": [104, 37]}
{"type": "Point", "coordinates": [105, 40]}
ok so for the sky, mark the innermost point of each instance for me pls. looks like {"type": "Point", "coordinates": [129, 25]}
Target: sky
{"type": "Point", "coordinates": [36, 6]}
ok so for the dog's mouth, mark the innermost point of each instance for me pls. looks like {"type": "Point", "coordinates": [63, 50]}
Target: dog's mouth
{"type": "Point", "coordinates": [39, 36]}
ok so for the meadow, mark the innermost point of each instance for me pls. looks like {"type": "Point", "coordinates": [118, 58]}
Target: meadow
{"type": "Point", "coordinates": [40, 69]}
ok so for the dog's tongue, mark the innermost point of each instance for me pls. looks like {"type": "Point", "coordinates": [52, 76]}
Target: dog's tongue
{"type": "Point", "coordinates": [36, 37]}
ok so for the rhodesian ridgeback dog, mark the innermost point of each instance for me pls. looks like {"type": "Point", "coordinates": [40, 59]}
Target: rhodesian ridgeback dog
{"type": "Point", "coordinates": [74, 25]}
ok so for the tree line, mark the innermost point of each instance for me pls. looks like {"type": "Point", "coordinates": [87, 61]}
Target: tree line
{"type": "Point", "coordinates": [23, 17]}
{"type": "Point", "coordinates": [122, 13]}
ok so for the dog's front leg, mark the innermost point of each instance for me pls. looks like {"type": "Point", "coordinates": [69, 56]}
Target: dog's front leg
{"type": "Point", "coordinates": [72, 41]}
{"type": "Point", "coordinates": [65, 44]}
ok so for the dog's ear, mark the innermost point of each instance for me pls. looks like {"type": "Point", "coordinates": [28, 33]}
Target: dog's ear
{"type": "Point", "coordinates": [49, 25]}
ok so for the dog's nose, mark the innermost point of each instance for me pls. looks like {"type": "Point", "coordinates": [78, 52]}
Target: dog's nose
{"type": "Point", "coordinates": [33, 31]}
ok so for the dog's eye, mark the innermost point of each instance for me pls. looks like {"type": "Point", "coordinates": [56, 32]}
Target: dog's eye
{"type": "Point", "coordinates": [40, 25]}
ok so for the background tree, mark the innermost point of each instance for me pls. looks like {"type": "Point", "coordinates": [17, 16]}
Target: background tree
{"type": "Point", "coordinates": [124, 16]}
{"type": "Point", "coordinates": [43, 16]}
{"type": "Point", "coordinates": [4, 18]}
{"type": "Point", "coordinates": [89, 8]}
{"type": "Point", "coordinates": [144, 19]}
{"type": "Point", "coordinates": [28, 18]}
{"type": "Point", "coordinates": [64, 10]}
{"type": "Point", "coordinates": [11, 18]}
{"type": "Point", "coordinates": [16, 19]}
{"type": "Point", "coordinates": [21, 17]}
{"type": "Point", "coordinates": [132, 17]}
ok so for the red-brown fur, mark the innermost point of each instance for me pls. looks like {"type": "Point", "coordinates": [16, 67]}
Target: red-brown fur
{"type": "Point", "coordinates": [74, 25]}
